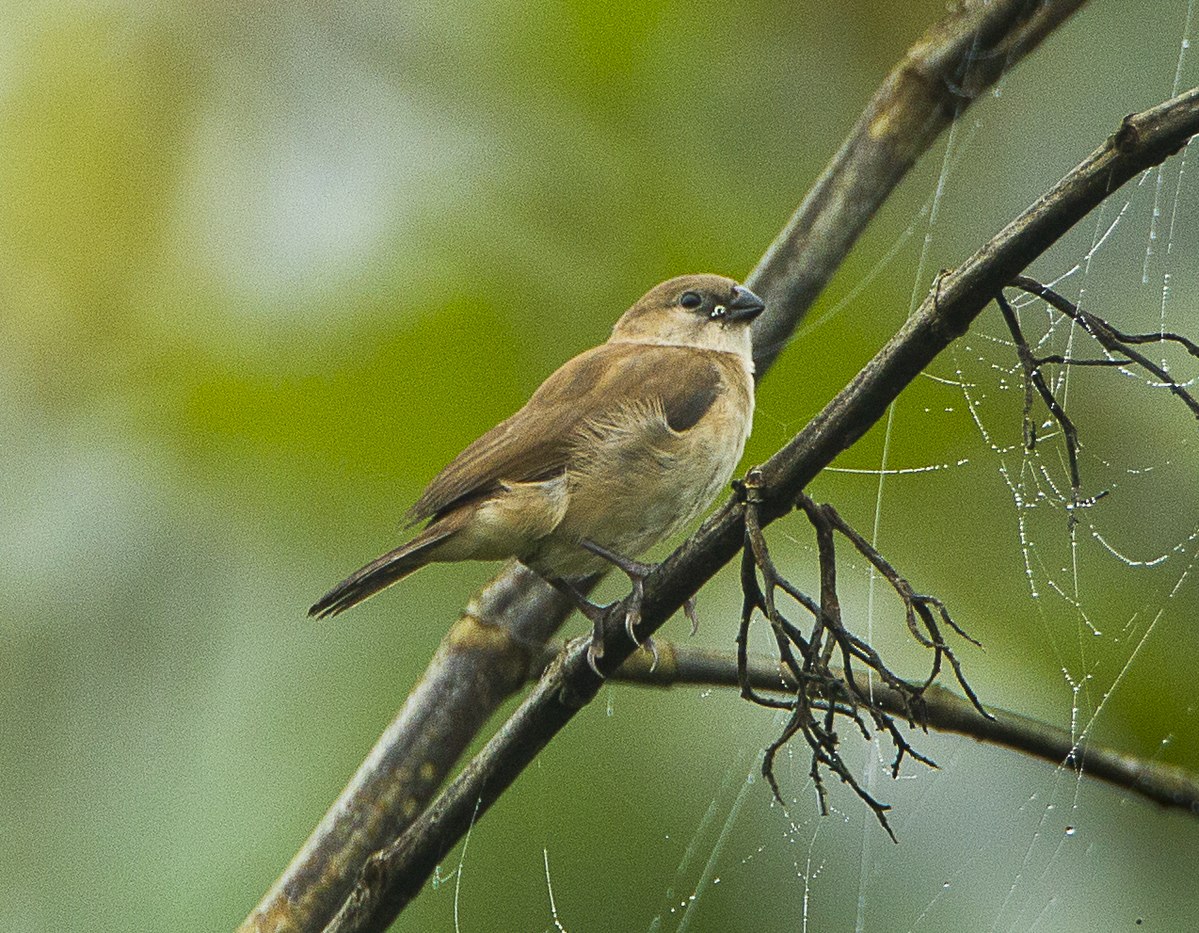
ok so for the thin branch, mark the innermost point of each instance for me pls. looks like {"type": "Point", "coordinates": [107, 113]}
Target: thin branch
{"type": "Point", "coordinates": [954, 62]}
{"type": "Point", "coordinates": [1033, 379]}
{"type": "Point", "coordinates": [940, 709]}
{"type": "Point", "coordinates": [1121, 352]}
{"type": "Point", "coordinates": [1116, 341]}
{"type": "Point", "coordinates": [394, 875]}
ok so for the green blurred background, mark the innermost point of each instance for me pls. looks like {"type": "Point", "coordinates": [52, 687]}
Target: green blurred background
{"type": "Point", "coordinates": [264, 268]}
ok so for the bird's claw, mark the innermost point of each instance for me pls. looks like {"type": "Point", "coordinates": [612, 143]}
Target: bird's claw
{"type": "Point", "coordinates": [595, 651]}
{"type": "Point", "coordinates": [632, 616]}
{"type": "Point", "coordinates": [636, 572]}
{"type": "Point", "coordinates": [648, 645]}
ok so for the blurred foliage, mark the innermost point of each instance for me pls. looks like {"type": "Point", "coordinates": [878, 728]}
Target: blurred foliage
{"type": "Point", "coordinates": [264, 268]}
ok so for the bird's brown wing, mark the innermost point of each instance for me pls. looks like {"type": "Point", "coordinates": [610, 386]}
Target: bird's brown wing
{"type": "Point", "coordinates": [536, 442]}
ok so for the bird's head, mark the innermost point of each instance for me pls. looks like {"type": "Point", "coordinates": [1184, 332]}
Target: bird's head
{"type": "Point", "coordinates": [709, 312]}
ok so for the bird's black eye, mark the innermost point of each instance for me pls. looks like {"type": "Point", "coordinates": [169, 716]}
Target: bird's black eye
{"type": "Point", "coordinates": [691, 300]}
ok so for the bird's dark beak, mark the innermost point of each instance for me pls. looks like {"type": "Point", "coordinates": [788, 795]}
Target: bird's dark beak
{"type": "Point", "coordinates": [745, 305]}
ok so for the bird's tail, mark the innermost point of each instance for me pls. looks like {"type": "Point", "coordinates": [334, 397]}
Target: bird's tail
{"type": "Point", "coordinates": [383, 571]}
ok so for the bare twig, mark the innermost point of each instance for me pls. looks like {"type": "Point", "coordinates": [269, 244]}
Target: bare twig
{"type": "Point", "coordinates": [1118, 345]}
{"type": "Point", "coordinates": [1034, 380]}
{"type": "Point", "coordinates": [940, 75]}
{"type": "Point", "coordinates": [395, 874]}
{"type": "Point", "coordinates": [1113, 340]}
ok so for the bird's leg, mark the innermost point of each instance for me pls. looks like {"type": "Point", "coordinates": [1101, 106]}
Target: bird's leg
{"type": "Point", "coordinates": [637, 571]}
{"type": "Point", "coordinates": [590, 610]}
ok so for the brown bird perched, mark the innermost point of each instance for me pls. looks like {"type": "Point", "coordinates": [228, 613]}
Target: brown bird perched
{"type": "Point", "coordinates": [618, 449]}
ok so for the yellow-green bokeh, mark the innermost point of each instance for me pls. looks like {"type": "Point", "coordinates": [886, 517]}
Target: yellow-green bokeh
{"type": "Point", "coordinates": [264, 268]}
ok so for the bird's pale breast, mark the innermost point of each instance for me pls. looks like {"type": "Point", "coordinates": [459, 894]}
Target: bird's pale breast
{"type": "Point", "coordinates": [635, 481]}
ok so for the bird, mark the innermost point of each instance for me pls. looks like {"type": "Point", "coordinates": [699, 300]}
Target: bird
{"type": "Point", "coordinates": [620, 448]}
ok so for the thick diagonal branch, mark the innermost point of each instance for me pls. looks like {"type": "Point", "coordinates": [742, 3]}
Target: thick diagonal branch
{"type": "Point", "coordinates": [394, 875]}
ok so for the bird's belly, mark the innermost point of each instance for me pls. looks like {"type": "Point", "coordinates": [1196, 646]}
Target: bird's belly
{"type": "Point", "coordinates": [511, 522]}
{"type": "Point", "coordinates": [632, 498]}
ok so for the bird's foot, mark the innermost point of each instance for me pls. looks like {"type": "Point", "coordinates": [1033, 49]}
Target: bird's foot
{"type": "Point", "coordinates": [591, 611]}
{"type": "Point", "coordinates": [637, 571]}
